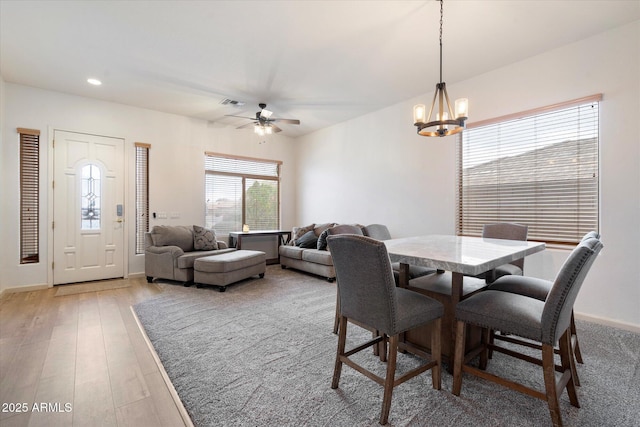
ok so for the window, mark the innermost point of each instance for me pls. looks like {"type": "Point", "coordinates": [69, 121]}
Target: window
{"type": "Point", "coordinates": [142, 194]}
{"type": "Point", "coordinates": [91, 197]}
{"type": "Point", "coordinates": [29, 195]}
{"type": "Point", "coordinates": [538, 168]}
{"type": "Point", "coordinates": [240, 190]}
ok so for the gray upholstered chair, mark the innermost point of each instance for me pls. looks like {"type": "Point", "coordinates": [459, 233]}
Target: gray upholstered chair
{"type": "Point", "coordinates": [368, 295]}
{"type": "Point", "coordinates": [510, 231]}
{"type": "Point", "coordinates": [539, 289]}
{"type": "Point", "coordinates": [546, 322]}
{"type": "Point", "coordinates": [333, 231]}
{"type": "Point", "coordinates": [381, 232]}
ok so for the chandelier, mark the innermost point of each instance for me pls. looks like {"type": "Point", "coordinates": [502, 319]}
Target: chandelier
{"type": "Point", "coordinates": [446, 122]}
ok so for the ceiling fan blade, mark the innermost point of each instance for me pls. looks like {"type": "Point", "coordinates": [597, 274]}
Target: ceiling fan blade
{"type": "Point", "coordinates": [246, 126]}
{"type": "Point", "coordinates": [276, 129]}
{"type": "Point", "coordinates": [240, 117]}
{"type": "Point", "coordinates": [290, 121]}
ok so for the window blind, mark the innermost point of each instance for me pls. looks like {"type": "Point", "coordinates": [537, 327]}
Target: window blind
{"type": "Point", "coordinates": [538, 169]}
{"type": "Point", "coordinates": [29, 195]}
{"type": "Point", "coordinates": [142, 194]}
{"type": "Point", "coordinates": [241, 190]}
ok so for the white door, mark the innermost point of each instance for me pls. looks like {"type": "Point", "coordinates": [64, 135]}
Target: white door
{"type": "Point", "coordinates": [88, 209]}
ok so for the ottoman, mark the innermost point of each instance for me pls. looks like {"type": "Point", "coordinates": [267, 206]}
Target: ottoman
{"type": "Point", "coordinates": [224, 269]}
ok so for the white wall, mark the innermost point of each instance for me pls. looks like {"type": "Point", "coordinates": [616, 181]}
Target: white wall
{"type": "Point", "coordinates": [176, 172]}
{"type": "Point", "coordinates": [376, 169]}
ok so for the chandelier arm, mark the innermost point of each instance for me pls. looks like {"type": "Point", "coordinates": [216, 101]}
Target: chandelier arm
{"type": "Point", "coordinates": [433, 103]}
{"type": "Point", "coordinates": [446, 95]}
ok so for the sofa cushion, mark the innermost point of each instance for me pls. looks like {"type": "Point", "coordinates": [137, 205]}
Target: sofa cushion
{"type": "Point", "coordinates": [204, 239]}
{"type": "Point", "coordinates": [308, 241]}
{"type": "Point", "coordinates": [317, 257]}
{"type": "Point", "coordinates": [322, 241]}
{"type": "Point", "coordinates": [319, 228]}
{"type": "Point", "coordinates": [173, 235]}
{"type": "Point", "coordinates": [293, 252]}
{"type": "Point", "coordinates": [298, 232]}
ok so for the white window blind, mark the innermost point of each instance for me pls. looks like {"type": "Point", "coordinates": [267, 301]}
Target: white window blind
{"type": "Point", "coordinates": [142, 194]}
{"type": "Point", "coordinates": [29, 195]}
{"type": "Point", "coordinates": [241, 191]}
{"type": "Point", "coordinates": [538, 168]}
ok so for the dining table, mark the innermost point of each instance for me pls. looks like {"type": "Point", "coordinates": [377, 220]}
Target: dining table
{"type": "Point", "coordinates": [456, 259]}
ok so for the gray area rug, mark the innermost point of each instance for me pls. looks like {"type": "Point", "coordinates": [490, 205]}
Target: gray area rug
{"type": "Point", "coordinates": [262, 354]}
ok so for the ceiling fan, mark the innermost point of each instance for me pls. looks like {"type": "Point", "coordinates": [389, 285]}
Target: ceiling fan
{"type": "Point", "coordinates": [263, 123]}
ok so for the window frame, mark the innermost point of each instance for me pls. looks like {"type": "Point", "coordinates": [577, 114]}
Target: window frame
{"type": "Point", "coordinates": [244, 176]}
{"type": "Point", "coordinates": [142, 194]}
{"type": "Point", "coordinates": [464, 221]}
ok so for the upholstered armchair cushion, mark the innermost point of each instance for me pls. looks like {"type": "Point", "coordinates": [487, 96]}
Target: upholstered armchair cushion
{"type": "Point", "coordinates": [173, 235]}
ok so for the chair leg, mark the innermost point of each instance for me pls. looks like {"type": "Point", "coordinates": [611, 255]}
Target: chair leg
{"type": "Point", "coordinates": [388, 383]}
{"type": "Point", "coordinates": [436, 353]}
{"type": "Point", "coordinates": [549, 371]}
{"type": "Point", "coordinates": [484, 342]}
{"type": "Point", "coordinates": [336, 320]}
{"type": "Point", "coordinates": [567, 362]}
{"type": "Point", "coordinates": [458, 358]}
{"type": "Point", "coordinates": [342, 338]}
{"type": "Point", "coordinates": [574, 334]}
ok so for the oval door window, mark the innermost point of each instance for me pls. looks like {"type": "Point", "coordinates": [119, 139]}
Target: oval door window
{"type": "Point", "coordinates": [91, 197]}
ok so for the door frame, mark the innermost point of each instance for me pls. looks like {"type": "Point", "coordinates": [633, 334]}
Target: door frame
{"type": "Point", "coordinates": [50, 195]}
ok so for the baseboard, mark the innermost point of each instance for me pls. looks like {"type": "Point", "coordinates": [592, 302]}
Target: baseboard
{"type": "Point", "coordinates": [609, 322]}
{"type": "Point", "coordinates": [27, 288]}
{"type": "Point", "coordinates": [135, 275]}
{"type": "Point", "coordinates": [174, 394]}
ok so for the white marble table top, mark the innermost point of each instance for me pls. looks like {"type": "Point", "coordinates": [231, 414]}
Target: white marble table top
{"type": "Point", "coordinates": [459, 254]}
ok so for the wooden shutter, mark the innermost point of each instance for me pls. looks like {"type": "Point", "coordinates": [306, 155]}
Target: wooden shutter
{"type": "Point", "coordinates": [29, 195]}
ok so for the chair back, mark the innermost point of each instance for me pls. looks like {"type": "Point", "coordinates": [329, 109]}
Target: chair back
{"type": "Point", "coordinates": [366, 287]}
{"type": "Point", "coordinates": [377, 231]}
{"type": "Point", "coordinates": [345, 229]}
{"type": "Point", "coordinates": [509, 231]}
{"type": "Point", "coordinates": [556, 315]}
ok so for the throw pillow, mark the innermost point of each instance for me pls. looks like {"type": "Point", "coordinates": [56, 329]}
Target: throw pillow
{"type": "Point", "coordinates": [204, 239]}
{"type": "Point", "coordinates": [298, 232]}
{"type": "Point", "coordinates": [322, 240]}
{"type": "Point", "coordinates": [308, 241]}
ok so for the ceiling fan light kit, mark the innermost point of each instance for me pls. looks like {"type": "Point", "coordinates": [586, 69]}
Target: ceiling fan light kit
{"type": "Point", "coordinates": [447, 121]}
{"type": "Point", "coordinates": [263, 123]}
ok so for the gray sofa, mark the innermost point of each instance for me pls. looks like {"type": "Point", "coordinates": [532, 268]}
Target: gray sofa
{"type": "Point", "coordinates": [309, 259]}
{"type": "Point", "coordinates": [317, 260]}
{"type": "Point", "coordinates": [170, 251]}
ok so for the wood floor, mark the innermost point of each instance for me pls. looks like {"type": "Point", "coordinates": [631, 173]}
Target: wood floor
{"type": "Point", "coordinates": [81, 360]}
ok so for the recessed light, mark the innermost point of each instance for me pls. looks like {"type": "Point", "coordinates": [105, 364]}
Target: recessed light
{"type": "Point", "coordinates": [94, 82]}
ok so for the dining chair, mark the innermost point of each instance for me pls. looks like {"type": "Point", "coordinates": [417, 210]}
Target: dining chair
{"type": "Point", "coordinates": [546, 322]}
{"type": "Point", "coordinates": [510, 231]}
{"type": "Point", "coordinates": [368, 295]}
{"type": "Point", "coordinates": [539, 289]}
{"type": "Point", "coordinates": [381, 232]}
{"type": "Point", "coordinates": [334, 231]}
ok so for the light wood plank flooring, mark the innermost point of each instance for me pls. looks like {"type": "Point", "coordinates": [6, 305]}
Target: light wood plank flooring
{"type": "Point", "coordinates": [84, 351]}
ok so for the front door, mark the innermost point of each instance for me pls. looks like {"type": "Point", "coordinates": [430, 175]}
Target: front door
{"type": "Point", "coordinates": [88, 210]}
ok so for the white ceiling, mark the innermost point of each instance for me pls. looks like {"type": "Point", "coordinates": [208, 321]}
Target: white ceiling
{"type": "Point", "coordinates": [322, 62]}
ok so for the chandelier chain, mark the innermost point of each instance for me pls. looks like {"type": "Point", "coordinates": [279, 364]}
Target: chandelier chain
{"type": "Point", "coordinates": [441, 15]}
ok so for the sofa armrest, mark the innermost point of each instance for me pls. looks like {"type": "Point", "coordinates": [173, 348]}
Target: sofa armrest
{"type": "Point", "coordinates": [173, 250]}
